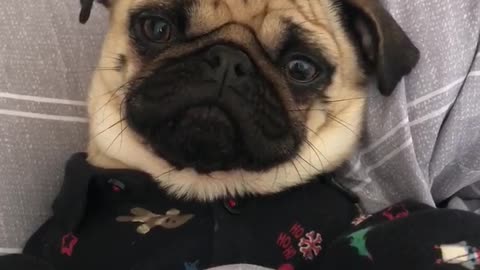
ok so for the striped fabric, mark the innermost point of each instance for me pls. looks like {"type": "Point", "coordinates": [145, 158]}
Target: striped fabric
{"type": "Point", "coordinates": [46, 61]}
{"type": "Point", "coordinates": [422, 143]}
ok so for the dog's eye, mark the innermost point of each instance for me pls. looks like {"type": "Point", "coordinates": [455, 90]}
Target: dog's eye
{"type": "Point", "coordinates": [156, 29]}
{"type": "Point", "coordinates": [301, 70]}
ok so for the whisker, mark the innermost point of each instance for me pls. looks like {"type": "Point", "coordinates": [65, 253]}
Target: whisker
{"type": "Point", "coordinates": [296, 158]}
{"type": "Point", "coordinates": [276, 177]}
{"type": "Point", "coordinates": [116, 138]}
{"type": "Point", "coordinates": [302, 158]}
{"type": "Point", "coordinates": [114, 57]}
{"type": "Point", "coordinates": [298, 110]}
{"type": "Point", "coordinates": [247, 185]}
{"type": "Point", "coordinates": [309, 163]}
{"type": "Point", "coordinates": [109, 100]}
{"type": "Point", "coordinates": [343, 123]}
{"type": "Point", "coordinates": [296, 168]}
{"type": "Point", "coordinates": [109, 68]}
{"type": "Point", "coordinates": [242, 176]}
{"type": "Point", "coordinates": [320, 152]}
{"type": "Point", "coordinates": [121, 116]}
{"type": "Point", "coordinates": [332, 101]}
{"type": "Point", "coordinates": [114, 68]}
{"type": "Point", "coordinates": [311, 130]}
{"type": "Point", "coordinates": [317, 153]}
{"type": "Point", "coordinates": [115, 91]}
{"type": "Point", "coordinates": [350, 99]}
{"type": "Point", "coordinates": [105, 130]}
{"type": "Point", "coordinates": [165, 173]}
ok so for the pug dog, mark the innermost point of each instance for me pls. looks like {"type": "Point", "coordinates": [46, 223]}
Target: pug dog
{"type": "Point", "coordinates": [219, 98]}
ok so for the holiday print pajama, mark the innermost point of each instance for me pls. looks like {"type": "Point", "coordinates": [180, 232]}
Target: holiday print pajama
{"type": "Point", "coordinates": [121, 220]}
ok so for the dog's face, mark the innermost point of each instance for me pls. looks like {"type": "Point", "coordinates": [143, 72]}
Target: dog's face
{"type": "Point", "coordinates": [228, 97]}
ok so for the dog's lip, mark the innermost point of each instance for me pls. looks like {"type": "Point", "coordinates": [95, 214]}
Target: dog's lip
{"type": "Point", "coordinates": [219, 113]}
{"type": "Point", "coordinates": [222, 108]}
{"type": "Point", "coordinates": [217, 134]}
{"type": "Point", "coordinates": [212, 104]}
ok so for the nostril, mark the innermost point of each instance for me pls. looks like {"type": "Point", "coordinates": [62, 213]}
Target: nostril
{"type": "Point", "coordinates": [239, 70]}
{"type": "Point", "coordinates": [216, 61]}
{"type": "Point", "coordinates": [223, 60]}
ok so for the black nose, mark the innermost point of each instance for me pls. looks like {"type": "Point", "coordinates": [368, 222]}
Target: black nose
{"type": "Point", "coordinates": [228, 63]}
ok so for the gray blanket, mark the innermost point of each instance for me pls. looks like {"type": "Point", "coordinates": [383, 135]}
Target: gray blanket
{"type": "Point", "coordinates": [422, 143]}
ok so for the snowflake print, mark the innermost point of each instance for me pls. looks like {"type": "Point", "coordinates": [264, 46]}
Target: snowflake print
{"type": "Point", "coordinates": [310, 245]}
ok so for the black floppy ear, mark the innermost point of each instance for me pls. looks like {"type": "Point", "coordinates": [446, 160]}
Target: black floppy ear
{"type": "Point", "coordinates": [386, 48]}
{"type": "Point", "coordinates": [87, 6]}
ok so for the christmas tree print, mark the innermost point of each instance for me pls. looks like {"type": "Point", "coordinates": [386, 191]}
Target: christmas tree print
{"type": "Point", "coordinates": [358, 240]}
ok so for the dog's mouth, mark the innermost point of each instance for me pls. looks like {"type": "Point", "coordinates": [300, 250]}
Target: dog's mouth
{"type": "Point", "coordinates": [213, 116]}
{"type": "Point", "coordinates": [204, 138]}
{"type": "Point", "coordinates": [212, 137]}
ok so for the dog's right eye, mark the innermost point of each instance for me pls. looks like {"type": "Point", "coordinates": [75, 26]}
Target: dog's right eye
{"type": "Point", "coordinates": [154, 29]}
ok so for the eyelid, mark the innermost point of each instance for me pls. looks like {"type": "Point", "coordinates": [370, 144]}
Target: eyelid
{"type": "Point", "coordinates": [146, 15]}
{"type": "Point", "coordinates": [301, 56]}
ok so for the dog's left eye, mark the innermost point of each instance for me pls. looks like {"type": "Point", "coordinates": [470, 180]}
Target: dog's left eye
{"type": "Point", "coordinates": [301, 70]}
{"type": "Point", "coordinates": [155, 29]}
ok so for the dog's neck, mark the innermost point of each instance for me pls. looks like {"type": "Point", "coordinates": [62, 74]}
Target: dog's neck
{"type": "Point", "coordinates": [98, 159]}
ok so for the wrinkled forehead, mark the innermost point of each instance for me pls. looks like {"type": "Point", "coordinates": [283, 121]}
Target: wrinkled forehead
{"type": "Point", "coordinates": [271, 20]}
